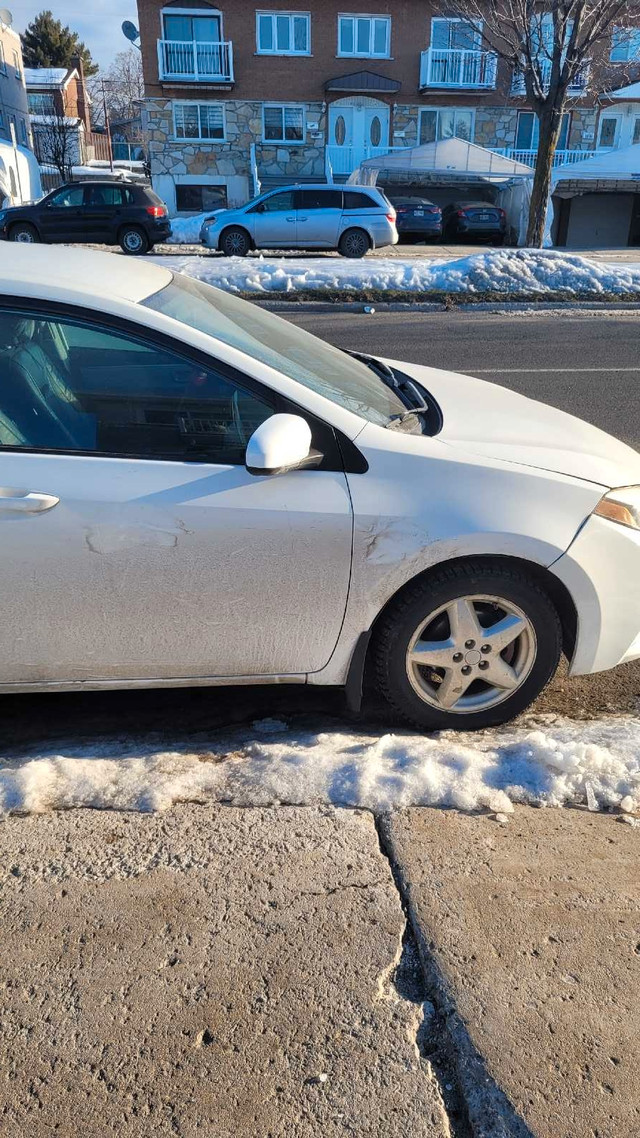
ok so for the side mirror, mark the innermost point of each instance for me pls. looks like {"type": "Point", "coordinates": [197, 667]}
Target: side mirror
{"type": "Point", "coordinates": [260, 208]}
{"type": "Point", "coordinates": [281, 443]}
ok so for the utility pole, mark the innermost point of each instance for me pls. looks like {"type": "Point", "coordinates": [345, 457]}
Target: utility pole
{"type": "Point", "coordinates": [107, 124]}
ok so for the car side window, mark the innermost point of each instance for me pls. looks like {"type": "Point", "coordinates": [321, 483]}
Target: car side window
{"type": "Point", "coordinates": [319, 199]}
{"type": "Point", "coordinates": [355, 199]}
{"type": "Point", "coordinates": [106, 195]}
{"type": "Point", "coordinates": [277, 202]}
{"type": "Point", "coordinates": [72, 386]}
{"type": "Point", "coordinates": [73, 196]}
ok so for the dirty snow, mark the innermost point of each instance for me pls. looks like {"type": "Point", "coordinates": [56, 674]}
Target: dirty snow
{"type": "Point", "coordinates": [513, 272]}
{"type": "Point", "coordinates": [552, 762]}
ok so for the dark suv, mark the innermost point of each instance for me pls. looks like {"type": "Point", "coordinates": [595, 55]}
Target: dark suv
{"type": "Point", "coordinates": [104, 213]}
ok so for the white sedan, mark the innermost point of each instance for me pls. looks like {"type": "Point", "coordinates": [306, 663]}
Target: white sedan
{"type": "Point", "coordinates": [193, 491]}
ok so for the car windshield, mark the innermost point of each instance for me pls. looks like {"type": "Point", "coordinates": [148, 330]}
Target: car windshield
{"type": "Point", "coordinates": [273, 341]}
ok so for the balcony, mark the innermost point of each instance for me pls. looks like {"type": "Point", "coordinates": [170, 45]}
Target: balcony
{"type": "Point", "coordinates": [578, 85]}
{"type": "Point", "coordinates": [195, 62]}
{"type": "Point", "coordinates": [561, 157]}
{"type": "Point", "coordinates": [458, 69]}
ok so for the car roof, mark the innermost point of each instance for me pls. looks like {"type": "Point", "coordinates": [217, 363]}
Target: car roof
{"type": "Point", "coordinates": [320, 186]}
{"type": "Point", "coordinates": [474, 205]}
{"type": "Point", "coordinates": [411, 198]}
{"type": "Point", "coordinates": [78, 276]}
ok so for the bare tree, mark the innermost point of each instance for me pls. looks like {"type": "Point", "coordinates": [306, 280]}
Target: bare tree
{"type": "Point", "coordinates": [56, 142]}
{"type": "Point", "coordinates": [121, 87]}
{"type": "Point", "coordinates": [549, 46]}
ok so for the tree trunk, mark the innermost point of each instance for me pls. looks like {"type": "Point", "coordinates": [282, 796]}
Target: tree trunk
{"type": "Point", "coordinates": [550, 120]}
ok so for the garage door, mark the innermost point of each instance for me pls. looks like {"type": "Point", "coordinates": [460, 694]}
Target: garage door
{"type": "Point", "coordinates": [599, 221]}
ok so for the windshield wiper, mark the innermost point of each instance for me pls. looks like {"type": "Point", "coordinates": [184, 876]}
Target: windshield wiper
{"type": "Point", "coordinates": [381, 369]}
{"type": "Point", "coordinates": [396, 420]}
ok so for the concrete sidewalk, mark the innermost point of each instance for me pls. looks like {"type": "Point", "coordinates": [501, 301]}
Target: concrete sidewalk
{"type": "Point", "coordinates": [530, 935]}
{"type": "Point", "coordinates": [210, 971]}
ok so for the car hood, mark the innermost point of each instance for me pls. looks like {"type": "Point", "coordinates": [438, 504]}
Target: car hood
{"type": "Point", "coordinates": [490, 420]}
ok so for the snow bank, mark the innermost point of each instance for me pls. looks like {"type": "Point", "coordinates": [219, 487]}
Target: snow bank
{"type": "Point", "coordinates": [514, 272]}
{"type": "Point", "coordinates": [186, 230]}
{"type": "Point", "coordinates": [554, 763]}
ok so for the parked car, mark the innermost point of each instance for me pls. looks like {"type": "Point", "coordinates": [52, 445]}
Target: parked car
{"type": "Point", "coordinates": [418, 219]}
{"type": "Point", "coordinates": [193, 490]}
{"type": "Point", "coordinates": [352, 220]}
{"type": "Point", "coordinates": [482, 220]}
{"type": "Point", "coordinates": [105, 213]}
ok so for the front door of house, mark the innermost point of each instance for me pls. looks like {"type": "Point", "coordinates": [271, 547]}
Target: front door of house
{"type": "Point", "coordinates": [358, 129]}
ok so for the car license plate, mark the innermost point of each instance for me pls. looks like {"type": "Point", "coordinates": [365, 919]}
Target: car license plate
{"type": "Point", "coordinates": [418, 213]}
{"type": "Point", "coordinates": [484, 217]}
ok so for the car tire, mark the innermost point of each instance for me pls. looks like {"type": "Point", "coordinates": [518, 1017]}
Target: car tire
{"type": "Point", "coordinates": [235, 242]}
{"type": "Point", "coordinates": [499, 683]}
{"type": "Point", "coordinates": [134, 241]}
{"type": "Point", "coordinates": [22, 231]}
{"type": "Point", "coordinates": [354, 243]}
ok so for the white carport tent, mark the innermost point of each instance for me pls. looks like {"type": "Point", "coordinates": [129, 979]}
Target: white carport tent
{"type": "Point", "coordinates": [454, 162]}
{"type": "Point", "coordinates": [611, 172]}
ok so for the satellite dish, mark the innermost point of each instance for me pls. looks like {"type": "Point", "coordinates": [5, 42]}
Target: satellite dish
{"type": "Point", "coordinates": [130, 31]}
{"type": "Point", "coordinates": [6, 17]}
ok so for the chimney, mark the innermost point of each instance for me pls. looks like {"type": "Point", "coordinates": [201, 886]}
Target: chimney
{"type": "Point", "coordinates": [84, 110]}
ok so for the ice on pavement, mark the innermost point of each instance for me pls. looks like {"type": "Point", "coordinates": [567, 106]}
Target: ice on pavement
{"type": "Point", "coordinates": [505, 271]}
{"type": "Point", "coordinates": [552, 762]}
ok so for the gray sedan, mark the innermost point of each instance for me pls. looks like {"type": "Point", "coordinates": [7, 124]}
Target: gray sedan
{"type": "Point", "coordinates": [351, 220]}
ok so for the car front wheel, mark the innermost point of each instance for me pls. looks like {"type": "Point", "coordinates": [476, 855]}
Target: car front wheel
{"type": "Point", "coordinates": [134, 241]}
{"type": "Point", "coordinates": [471, 647]}
{"type": "Point", "coordinates": [235, 242]}
{"type": "Point", "coordinates": [25, 233]}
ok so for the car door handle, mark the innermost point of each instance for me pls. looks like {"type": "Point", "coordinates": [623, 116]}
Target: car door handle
{"type": "Point", "coordinates": [289, 218]}
{"type": "Point", "coordinates": [29, 502]}
{"type": "Point", "coordinates": [303, 218]}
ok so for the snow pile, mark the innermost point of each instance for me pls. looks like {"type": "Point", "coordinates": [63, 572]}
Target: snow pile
{"type": "Point", "coordinates": [186, 230]}
{"type": "Point", "coordinates": [531, 272]}
{"type": "Point", "coordinates": [553, 763]}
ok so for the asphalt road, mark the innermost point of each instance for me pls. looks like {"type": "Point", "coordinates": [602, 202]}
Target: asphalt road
{"type": "Point", "coordinates": [587, 364]}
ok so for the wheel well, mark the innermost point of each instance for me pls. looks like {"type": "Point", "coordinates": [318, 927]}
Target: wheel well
{"type": "Point", "coordinates": [236, 226]}
{"type": "Point", "coordinates": [357, 229]}
{"type": "Point", "coordinates": [29, 225]}
{"type": "Point", "coordinates": [554, 588]}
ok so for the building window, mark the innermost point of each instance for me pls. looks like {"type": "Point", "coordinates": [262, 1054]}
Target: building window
{"type": "Point", "coordinates": [283, 33]}
{"type": "Point", "coordinates": [455, 35]}
{"type": "Point", "coordinates": [199, 120]}
{"type": "Point", "coordinates": [608, 133]}
{"type": "Point", "coordinates": [16, 65]}
{"type": "Point", "coordinates": [367, 36]}
{"type": "Point", "coordinates": [3, 63]}
{"type": "Point", "coordinates": [625, 45]}
{"type": "Point", "coordinates": [528, 131]}
{"type": "Point", "coordinates": [23, 133]}
{"type": "Point", "coordinates": [437, 124]}
{"type": "Point", "coordinates": [199, 199]}
{"type": "Point", "coordinates": [41, 104]}
{"type": "Point", "coordinates": [283, 124]}
{"type": "Point", "coordinates": [636, 131]}
{"type": "Point", "coordinates": [192, 27]}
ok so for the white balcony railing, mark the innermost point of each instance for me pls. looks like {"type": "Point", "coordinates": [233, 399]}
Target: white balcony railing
{"type": "Point", "coordinates": [343, 160]}
{"type": "Point", "coordinates": [458, 68]}
{"type": "Point", "coordinates": [578, 85]}
{"type": "Point", "coordinates": [561, 157]}
{"type": "Point", "coordinates": [200, 62]}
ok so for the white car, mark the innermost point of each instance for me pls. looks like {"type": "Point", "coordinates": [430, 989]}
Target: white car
{"type": "Point", "coordinates": [193, 491]}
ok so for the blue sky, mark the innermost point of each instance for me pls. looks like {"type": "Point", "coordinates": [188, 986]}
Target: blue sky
{"type": "Point", "coordinates": [96, 21]}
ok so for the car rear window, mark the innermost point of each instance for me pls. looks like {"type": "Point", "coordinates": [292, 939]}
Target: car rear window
{"type": "Point", "coordinates": [355, 199]}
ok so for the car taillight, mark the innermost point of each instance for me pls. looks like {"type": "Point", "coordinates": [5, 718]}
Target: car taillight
{"type": "Point", "coordinates": [156, 211]}
{"type": "Point", "coordinates": [402, 209]}
{"type": "Point", "coordinates": [461, 213]}
{"type": "Point", "coordinates": [391, 216]}
{"type": "Point", "coordinates": [502, 213]}
{"type": "Point", "coordinates": [433, 209]}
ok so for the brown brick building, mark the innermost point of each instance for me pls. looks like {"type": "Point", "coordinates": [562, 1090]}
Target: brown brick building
{"type": "Point", "coordinates": [241, 95]}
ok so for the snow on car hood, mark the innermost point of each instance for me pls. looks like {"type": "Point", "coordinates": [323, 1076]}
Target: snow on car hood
{"type": "Point", "coordinates": [491, 420]}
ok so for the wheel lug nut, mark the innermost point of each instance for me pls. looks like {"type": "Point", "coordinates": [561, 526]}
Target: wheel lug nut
{"type": "Point", "coordinates": [466, 671]}
{"type": "Point", "coordinates": [483, 664]}
{"type": "Point", "coordinates": [469, 643]}
{"type": "Point", "coordinates": [457, 656]}
{"type": "Point", "coordinates": [485, 648]}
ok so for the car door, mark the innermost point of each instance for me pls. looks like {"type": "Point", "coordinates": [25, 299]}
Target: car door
{"type": "Point", "coordinates": [61, 217]}
{"type": "Point", "coordinates": [134, 544]}
{"type": "Point", "coordinates": [103, 206]}
{"type": "Point", "coordinates": [274, 220]}
{"type": "Point", "coordinates": [319, 213]}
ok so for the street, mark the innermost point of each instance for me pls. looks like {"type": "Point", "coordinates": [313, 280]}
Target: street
{"type": "Point", "coordinates": [247, 962]}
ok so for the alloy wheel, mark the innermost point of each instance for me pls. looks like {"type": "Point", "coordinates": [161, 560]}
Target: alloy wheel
{"type": "Point", "coordinates": [133, 241]}
{"type": "Point", "coordinates": [471, 654]}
